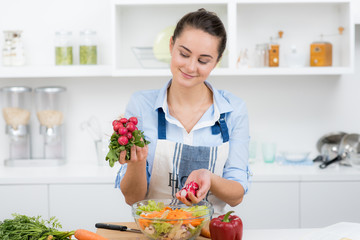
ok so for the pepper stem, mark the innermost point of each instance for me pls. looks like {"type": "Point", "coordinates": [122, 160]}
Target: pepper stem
{"type": "Point", "coordinates": [226, 217]}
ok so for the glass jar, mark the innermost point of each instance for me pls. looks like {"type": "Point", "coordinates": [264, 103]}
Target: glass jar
{"type": "Point", "coordinates": [13, 49]}
{"type": "Point", "coordinates": [261, 55]}
{"type": "Point", "coordinates": [63, 48]}
{"type": "Point", "coordinates": [88, 47]}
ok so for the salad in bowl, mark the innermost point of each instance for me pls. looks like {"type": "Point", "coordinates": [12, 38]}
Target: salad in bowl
{"type": "Point", "coordinates": [165, 219]}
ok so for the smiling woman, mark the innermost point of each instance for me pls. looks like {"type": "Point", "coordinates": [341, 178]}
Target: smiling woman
{"type": "Point", "coordinates": [197, 133]}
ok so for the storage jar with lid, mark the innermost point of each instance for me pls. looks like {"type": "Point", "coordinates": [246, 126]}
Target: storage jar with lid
{"type": "Point", "coordinates": [63, 48]}
{"type": "Point", "coordinates": [88, 47]}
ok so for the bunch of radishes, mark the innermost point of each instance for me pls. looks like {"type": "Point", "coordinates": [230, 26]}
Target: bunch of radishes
{"type": "Point", "coordinates": [125, 135]}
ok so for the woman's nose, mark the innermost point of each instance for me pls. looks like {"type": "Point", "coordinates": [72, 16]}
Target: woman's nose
{"type": "Point", "coordinates": [191, 65]}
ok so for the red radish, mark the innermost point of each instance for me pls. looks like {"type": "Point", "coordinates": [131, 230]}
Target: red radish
{"type": "Point", "coordinates": [123, 120]}
{"type": "Point", "coordinates": [117, 126]}
{"type": "Point", "coordinates": [190, 187]}
{"type": "Point", "coordinates": [130, 126]}
{"type": "Point", "coordinates": [123, 131]}
{"type": "Point", "coordinates": [115, 122]}
{"type": "Point", "coordinates": [123, 140]}
{"type": "Point", "coordinates": [134, 120]}
{"type": "Point", "coordinates": [129, 135]}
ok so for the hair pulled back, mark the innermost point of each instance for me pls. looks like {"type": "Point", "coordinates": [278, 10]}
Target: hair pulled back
{"type": "Point", "coordinates": [206, 21]}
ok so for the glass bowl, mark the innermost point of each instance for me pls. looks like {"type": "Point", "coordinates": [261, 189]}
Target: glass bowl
{"type": "Point", "coordinates": [295, 156]}
{"type": "Point", "coordinates": [170, 219]}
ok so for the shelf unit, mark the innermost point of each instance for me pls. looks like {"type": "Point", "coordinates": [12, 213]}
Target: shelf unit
{"type": "Point", "coordinates": [247, 22]}
{"type": "Point", "coordinates": [136, 23]}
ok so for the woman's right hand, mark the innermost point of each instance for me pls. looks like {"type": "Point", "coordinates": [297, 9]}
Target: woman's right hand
{"type": "Point", "coordinates": [137, 155]}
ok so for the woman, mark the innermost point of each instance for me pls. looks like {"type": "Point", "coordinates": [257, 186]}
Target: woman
{"type": "Point", "coordinates": [197, 133]}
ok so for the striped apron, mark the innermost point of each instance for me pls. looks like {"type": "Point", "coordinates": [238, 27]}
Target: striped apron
{"type": "Point", "coordinates": [174, 162]}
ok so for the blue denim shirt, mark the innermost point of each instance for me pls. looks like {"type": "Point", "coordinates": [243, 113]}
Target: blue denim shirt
{"type": "Point", "coordinates": [144, 105]}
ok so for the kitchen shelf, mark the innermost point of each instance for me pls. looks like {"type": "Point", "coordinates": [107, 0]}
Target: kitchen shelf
{"type": "Point", "coordinates": [240, 72]}
{"type": "Point", "coordinates": [55, 71]}
{"type": "Point", "coordinates": [248, 22]}
{"type": "Point", "coordinates": [136, 23]}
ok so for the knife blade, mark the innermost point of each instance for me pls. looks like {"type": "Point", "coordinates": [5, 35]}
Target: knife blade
{"type": "Point", "coordinates": [116, 227]}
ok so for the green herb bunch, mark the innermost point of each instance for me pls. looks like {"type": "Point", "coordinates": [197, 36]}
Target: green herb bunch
{"type": "Point", "coordinates": [23, 227]}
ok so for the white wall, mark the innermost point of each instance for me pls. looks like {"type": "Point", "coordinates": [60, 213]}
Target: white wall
{"type": "Point", "coordinates": [293, 110]}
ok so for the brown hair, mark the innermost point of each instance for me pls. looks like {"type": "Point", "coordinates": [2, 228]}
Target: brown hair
{"type": "Point", "coordinates": [206, 21]}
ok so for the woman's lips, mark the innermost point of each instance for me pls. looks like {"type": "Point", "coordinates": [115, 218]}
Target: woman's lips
{"type": "Point", "coordinates": [185, 75]}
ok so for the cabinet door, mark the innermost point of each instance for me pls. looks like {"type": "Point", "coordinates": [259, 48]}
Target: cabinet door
{"type": "Point", "coordinates": [31, 200]}
{"type": "Point", "coordinates": [327, 203]}
{"type": "Point", "coordinates": [83, 205]}
{"type": "Point", "coordinates": [270, 205]}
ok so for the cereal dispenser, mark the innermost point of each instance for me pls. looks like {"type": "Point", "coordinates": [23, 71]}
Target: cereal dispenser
{"type": "Point", "coordinates": [50, 106]}
{"type": "Point", "coordinates": [16, 105]}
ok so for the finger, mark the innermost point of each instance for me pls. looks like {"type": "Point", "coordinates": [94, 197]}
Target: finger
{"type": "Point", "coordinates": [133, 155]}
{"type": "Point", "coordinates": [122, 157]}
{"type": "Point", "coordinates": [192, 197]}
{"type": "Point", "coordinates": [141, 152]}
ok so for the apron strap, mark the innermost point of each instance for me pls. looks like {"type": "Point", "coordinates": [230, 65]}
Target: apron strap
{"type": "Point", "coordinates": [161, 124]}
{"type": "Point", "coordinates": [220, 126]}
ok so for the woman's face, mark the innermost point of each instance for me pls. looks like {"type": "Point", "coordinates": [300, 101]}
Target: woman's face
{"type": "Point", "coordinates": [193, 56]}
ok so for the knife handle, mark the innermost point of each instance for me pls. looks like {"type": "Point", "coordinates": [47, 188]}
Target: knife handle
{"type": "Point", "coordinates": [111, 226]}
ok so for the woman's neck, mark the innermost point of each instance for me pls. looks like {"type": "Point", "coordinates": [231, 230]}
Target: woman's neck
{"type": "Point", "coordinates": [189, 105]}
{"type": "Point", "coordinates": [181, 96]}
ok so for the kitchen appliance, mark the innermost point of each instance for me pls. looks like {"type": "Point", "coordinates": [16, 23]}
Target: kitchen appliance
{"type": "Point", "coordinates": [16, 106]}
{"type": "Point", "coordinates": [320, 54]}
{"type": "Point", "coordinates": [349, 145]}
{"type": "Point", "coordinates": [50, 108]}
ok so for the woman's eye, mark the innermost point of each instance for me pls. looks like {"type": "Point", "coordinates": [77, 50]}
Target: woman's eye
{"type": "Point", "coordinates": [184, 55]}
{"type": "Point", "coordinates": [203, 61]}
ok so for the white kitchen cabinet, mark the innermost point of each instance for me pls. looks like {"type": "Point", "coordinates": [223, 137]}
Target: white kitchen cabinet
{"type": "Point", "coordinates": [270, 205]}
{"type": "Point", "coordinates": [136, 24]}
{"type": "Point", "coordinates": [31, 200]}
{"type": "Point", "coordinates": [326, 203]}
{"type": "Point", "coordinates": [83, 205]}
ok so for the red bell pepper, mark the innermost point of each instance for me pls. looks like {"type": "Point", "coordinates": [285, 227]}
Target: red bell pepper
{"type": "Point", "coordinates": [226, 227]}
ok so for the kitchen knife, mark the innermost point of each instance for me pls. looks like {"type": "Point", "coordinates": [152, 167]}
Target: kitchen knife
{"type": "Point", "coordinates": [116, 227]}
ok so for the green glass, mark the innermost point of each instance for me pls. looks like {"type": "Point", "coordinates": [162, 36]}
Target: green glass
{"type": "Point", "coordinates": [64, 55]}
{"type": "Point", "coordinates": [88, 55]}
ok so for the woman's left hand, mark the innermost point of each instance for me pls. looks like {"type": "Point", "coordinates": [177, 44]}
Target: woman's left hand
{"type": "Point", "coordinates": [203, 178]}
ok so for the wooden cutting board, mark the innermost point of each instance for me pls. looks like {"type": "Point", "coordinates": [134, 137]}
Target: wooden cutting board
{"type": "Point", "coordinates": [118, 235]}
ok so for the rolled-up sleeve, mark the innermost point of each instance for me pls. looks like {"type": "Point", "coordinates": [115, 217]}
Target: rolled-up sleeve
{"type": "Point", "coordinates": [237, 165]}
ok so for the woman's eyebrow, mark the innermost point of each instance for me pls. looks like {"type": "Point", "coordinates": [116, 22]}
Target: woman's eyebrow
{"type": "Point", "coordinates": [202, 55]}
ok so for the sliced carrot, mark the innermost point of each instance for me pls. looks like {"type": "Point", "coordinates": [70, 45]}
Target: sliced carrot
{"type": "Point", "coordinates": [82, 234]}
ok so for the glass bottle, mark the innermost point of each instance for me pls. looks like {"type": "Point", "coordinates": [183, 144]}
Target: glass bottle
{"type": "Point", "coordinates": [6, 51]}
{"type": "Point", "coordinates": [17, 50]}
{"type": "Point", "coordinates": [63, 48]}
{"type": "Point", "coordinates": [261, 55]}
{"type": "Point", "coordinates": [88, 47]}
{"type": "Point", "coordinates": [13, 50]}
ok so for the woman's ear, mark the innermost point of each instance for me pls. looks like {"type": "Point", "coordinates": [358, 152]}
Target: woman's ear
{"type": "Point", "coordinates": [171, 45]}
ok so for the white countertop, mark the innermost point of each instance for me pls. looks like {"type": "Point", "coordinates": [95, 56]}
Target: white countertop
{"type": "Point", "coordinates": [91, 173]}
{"type": "Point", "coordinates": [338, 231]}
